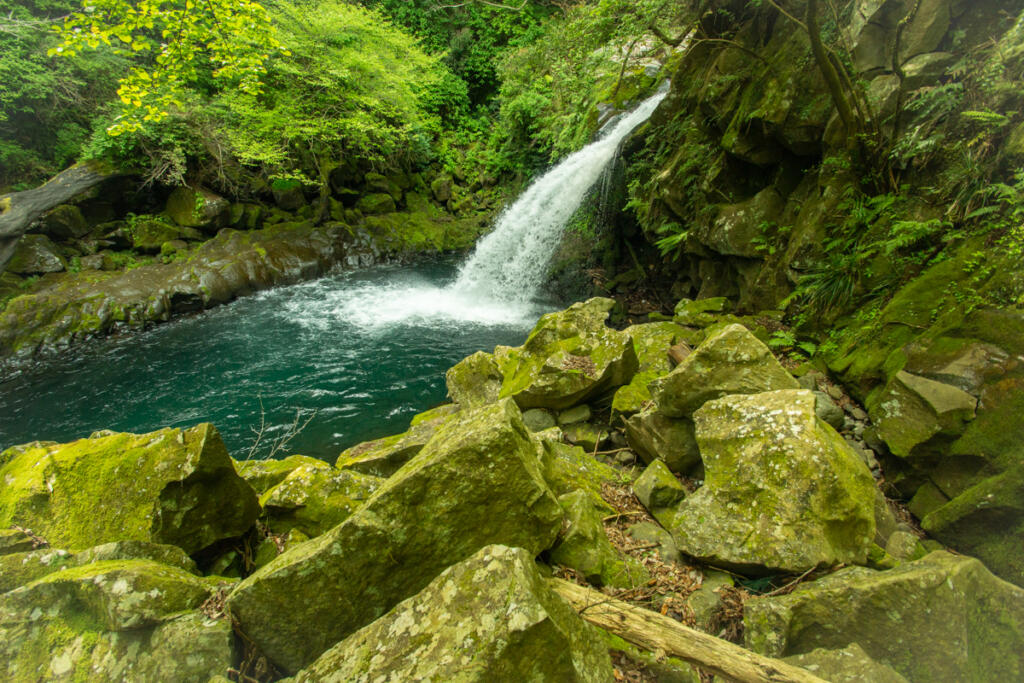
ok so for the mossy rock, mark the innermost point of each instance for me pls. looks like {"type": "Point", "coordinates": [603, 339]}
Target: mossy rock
{"type": "Point", "coordinates": [651, 341]}
{"type": "Point", "coordinates": [315, 498]}
{"type": "Point", "coordinates": [263, 475]}
{"type": "Point", "coordinates": [658, 488]}
{"type": "Point", "coordinates": [376, 203]}
{"type": "Point", "coordinates": [782, 490]}
{"type": "Point", "coordinates": [383, 457]}
{"type": "Point", "coordinates": [570, 468]}
{"type": "Point", "coordinates": [198, 208]}
{"type": "Point", "coordinates": [569, 357]}
{"type": "Point", "coordinates": [34, 255]}
{"type": "Point", "coordinates": [171, 486]}
{"type": "Point", "coordinates": [847, 665]}
{"type": "Point", "coordinates": [941, 618]}
{"type": "Point", "coordinates": [474, 381]}
{"type": "Point", "coordinates": [489, 618]}
{"type": "Point", "coordinates": [150, 233]}
{"type": "Point", "coordinates": [112, 621]}
{"type": "Point", "coordinates": [477, 482]}
{"type": "Point", "coordinates": [730, 361]}
{"type": "Point", "coordinates": [653, 436]}
{"type": "Point", "coordinates": [584, 546]}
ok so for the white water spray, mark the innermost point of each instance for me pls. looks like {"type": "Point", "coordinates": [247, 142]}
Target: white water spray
{"type": "Point", "coordinates": [498, 284]}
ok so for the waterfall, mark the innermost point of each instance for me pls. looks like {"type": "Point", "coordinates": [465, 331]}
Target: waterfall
{"type": "Point", "coordinates": [510, 264]}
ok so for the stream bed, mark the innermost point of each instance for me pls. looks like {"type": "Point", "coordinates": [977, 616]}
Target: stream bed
{"type": "Point", "coordinates": [366, 350]}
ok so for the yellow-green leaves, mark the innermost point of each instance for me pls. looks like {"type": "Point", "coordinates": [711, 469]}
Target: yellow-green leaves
{"type": "Point", "coordinates": [175, 43]}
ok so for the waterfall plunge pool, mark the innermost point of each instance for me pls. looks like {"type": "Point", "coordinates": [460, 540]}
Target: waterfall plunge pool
{"type": "Point", "coordinates": [366, 350]}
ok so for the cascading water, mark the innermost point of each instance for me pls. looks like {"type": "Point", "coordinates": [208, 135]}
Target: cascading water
{"type": "Point", "coordinates": [510, 264]}
{"type": "Point", "coordinates": [499, 282]}
{"type": "Point", "coordinates": [366, 349]}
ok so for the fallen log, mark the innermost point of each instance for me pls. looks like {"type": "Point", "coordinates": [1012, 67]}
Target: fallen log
{"type": "Point", "coordinates": [653, 632]}
{"type": "Point", "coordinates": [18, 210]}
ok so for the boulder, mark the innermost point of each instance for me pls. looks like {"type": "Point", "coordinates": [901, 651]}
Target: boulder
{"type": "Point", "coordinates": [650, 532]}
{"type": "Point", "coordinates": [376, 203]}
{"type": "Point", "coordinates": [986, 520]}
{"type": "Point", "coordinates": [113, 621]}
{"type": "Point", "coordinates": [288, 194]}
{"type": "Point", "coordinates": [942, 618]}
{"type": "Point", "coordinates": [580, 413]}
{"type": "Point", "coordinates": [782, 490]}
{"type": "Point", "coordinates": [16, 541]}
{"type": "Point", "coordinates": [198, 208]}
{"type": "Point", "coordinates": [656, 437]}
{"type": "Point", "coordinates": [171, 486]}
{"type": "Point", "coordinates": [913, 409]}
{"type": "Point", "coordinates": [488, 618]}
{"type": "Point", "coordinates": [538, 419]}
{"type": "Point", "coordinates": [848, 665]}
{"type": "Point", "coordinates": [739, 229]}
{"type": "Point", "coordinates": [383, 457]}
{"type": "Point", "coordinates": [568, 358]}
{"type": "Point", "coordinates": [65, 222]}
{"type": "Point", "coordinates": [315, 498]}
{"type": "Point", "coordinates": [926, 69]}
{"type": "Point", "coordinates": [652, 343]}
{"type": "Point", "coordinates": [706, 601]}
{"type": "Point", "coordinates": [441, 188]}
{"type": "Point", "coordinates": [36, 254]}
{"type": "Point", "coordinates": [569, 468]}
{"type": "Point", "coordinates": [584, 546]}
{"type": "Point", "coordinates": [477, 482]}
{"type": "Point", "coordinates": [17, 569]}
{"type": "Point", "coordinates": [474, 381]}
{"type": "Point", "coordinates": [658, 488]}
{"type": "Point", "coordinates": [263, 475]}
{"type": "Point", "coordinates": [730, 361]}
{"type": "Point", "coordinates": [586, 435]}
{"type": "Point", "coordinates": [700, 313]}
{"type": "Point", "coordinates": [150, 234]}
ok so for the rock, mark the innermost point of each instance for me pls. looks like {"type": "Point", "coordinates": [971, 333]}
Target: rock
{"type": "Point", "coordinates": [580, 413]}
{"type": "Point", "coordinates": [377, 183]}
{"type": "Point", "coordinates": [986, 520]}
{"type": "Point", "coordinates": [828, 411]}
{"type": "Point", "coordinates": [586, 435]}
{"type": "Point", "coordinates": [18, 569]}
{"type": "Point", "coordinates": [488, 618]}
{"type": "Point", "coordinates": [729, 361]}
{"type": "Point", "coordinates": [739, 229]}
{"type": "Point", "coordinates": [263, 475]}
{"type": "Point", "coordinates": [376, 203]}
{"type": "Point", "coordinates": [383, 457]}
{"type": "Point", "coordinates": [92, 262]}
{"type": "Point", "coordinates": [442, 412]}
{"type": "Point", "coordinates": [569, 468]}
{"type": "Point", "coordinates": [474, 381]}
{"type": "Point", "coordinates": [171, 486]}
{"type": "Point", "coordinates": [700, 313]}
{"type": "Point", "coordinates": [904, 545]}
{"type": "Point", "coordinates": [913, 409]}
{"type": "Point", "coordinates": [652, 533]}
{"type": "Point", "coordinates": [538, 419]}
{"type": "Point", "coordinates": [706, 600]}
{"type": "Point", "coordinates": [782, 490]}
{"type": "Point", "coordinates": [653, 343]}
{"type": "Point", "coordinates": [926, 69]}
{"type": "Point", "coordinates": [477, 482]}
{"type": "Point", "coordinates": [65, 222]}
{"type": "Point", "coordinates": [313, 499]}
{"type": "Point", "coordinates": [658, 488]}
{"type": "Point", "coordinates": [584, 546]}
{"type": "Point", "coordinates": [15, 541]}
{"type": "Point", "coordinates": [941, 618]}
{"type": "Point", "coordinates": [272, 546]}
{"type": "Point", "coordinates": [113, 621]}
{"type": "Point", "coordinates": [441, 187]}
{"type": "Point", "coordinates": [885, 519]}
{"type": "Point", "coordinates": [568, 358]}
{"type": "Point", "coordinates": [848, 665]}
{"type": "Point", "coordinates": [36, 254]}
{"type": "Point", "coordinates": [288, 194]}
{"type": "Point", "coordinates": [150, 234]}
{"type": "Point", "coordinates": [198, 208]}
{"type": "Point", "coordinates": [656, 437]}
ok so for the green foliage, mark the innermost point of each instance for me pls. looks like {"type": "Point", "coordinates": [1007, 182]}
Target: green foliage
{"type": "Point", "coordinates": [172, 45]}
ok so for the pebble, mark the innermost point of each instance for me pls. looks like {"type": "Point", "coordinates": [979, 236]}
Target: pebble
{"type": "Point", "coordinates": [835, 392]}
{"type": "Point", "coordinates": [625, 457]}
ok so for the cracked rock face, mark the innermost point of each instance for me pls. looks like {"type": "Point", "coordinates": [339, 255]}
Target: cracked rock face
{"type": "Point", "coordinates": [782, 492]}
{"type": "Point", "coordinates": [488, 618]}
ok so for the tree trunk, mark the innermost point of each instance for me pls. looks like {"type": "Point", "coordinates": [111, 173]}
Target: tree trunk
{"type": "Point", "coordinates": [18, 210]}
{"type": "Point", "coordinates": [653, 632]}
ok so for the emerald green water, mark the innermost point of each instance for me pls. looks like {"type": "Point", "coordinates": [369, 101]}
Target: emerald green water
{"type": "Point", "coordinates": [365, 350]}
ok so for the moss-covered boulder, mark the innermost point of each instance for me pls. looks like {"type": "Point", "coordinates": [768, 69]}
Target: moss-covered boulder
{"type": "Point", "coordinates": [474, 381]}
{"type": "Point", "coordinates": [198, 208]}
{"type": "Point", "coordinates": [171, 486]}
{"type": "Point", "coordinates": [986, 520]}
{"type": "Point", "coordinates": [569, 468]}
{"type": "Point", "coordinates": [656, 437]}
{"type": "Point", "coordinates": [383, 457]}
{"type": "Point", "coordinates": [34, 255]}
{"type": "Point", "coordinates": [848, 665]}
{"type": "Point", "coordinates": [584, 546]}
{"type": "Point", "coordinates": [651, 341]}
{"type": "Point", "coordinates": [65, 222]}
{"type": "Point", "coordinates": [488, 618]}
{"type": "Point", "coordinates": [702, 312]}
{"type": "Point", "coordinates": [658, 488]}
{"type": "Point", "coordinates": [16, 541]}
{"type": "Point", "coordinates": [114, 620]}
{"type": "Point", "coordinates": [568, 358]}
{"type": "Point", "coordinates": [315, 498]}
{"type": "Point", "coordinates": [477, 482]}
{"type": "Point", "coordinates": [150, 233]}
{"type": "Point", "coordinates": [913, 409]}
{"type": "Point", "coordinates": [942, 618]}
{"type": "Point", "coordinates": [263, 475]}
{"type": "Point", "coordinates": [730, 361]}
{"type": "Point", "coordinates": [376, 203]}
{"type": "Point", "coordinates": [782, 490]}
